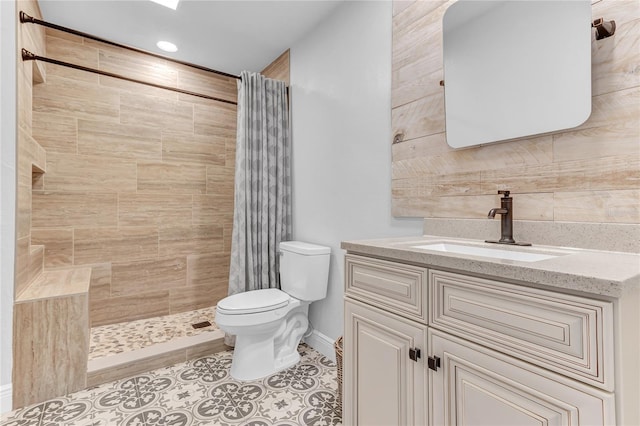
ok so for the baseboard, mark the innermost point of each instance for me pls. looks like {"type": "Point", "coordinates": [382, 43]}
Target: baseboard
{"type": "Point", "coordinates": [322, 344]}
{"type": "Point", "coordinates": [5, 398]}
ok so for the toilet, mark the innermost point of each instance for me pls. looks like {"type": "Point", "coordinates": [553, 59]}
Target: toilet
{"type": "Point", "coordinates": [269, 323]}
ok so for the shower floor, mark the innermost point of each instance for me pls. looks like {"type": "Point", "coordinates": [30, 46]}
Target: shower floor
{"type": "Point", "coordinates": [113, 339]}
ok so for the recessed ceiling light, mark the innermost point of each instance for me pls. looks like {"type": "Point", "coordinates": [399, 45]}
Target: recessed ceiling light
{"type": "Point", "coordinates": [167, 46]}
{"type": "Point", "coordinates": [171, 4]}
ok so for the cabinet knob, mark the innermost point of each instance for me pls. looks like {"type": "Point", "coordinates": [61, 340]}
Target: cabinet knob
{"type": "Point", "coordinates": [433, 362]}
{"type": "Point", "coordinates": [414, 354]}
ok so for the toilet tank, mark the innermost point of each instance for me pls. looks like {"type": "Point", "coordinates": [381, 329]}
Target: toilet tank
{"type": "Point", "coordinates": [304, 270]}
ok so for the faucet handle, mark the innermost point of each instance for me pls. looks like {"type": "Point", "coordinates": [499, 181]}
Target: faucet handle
{"type": "Point", "coordinates": [506, 193]}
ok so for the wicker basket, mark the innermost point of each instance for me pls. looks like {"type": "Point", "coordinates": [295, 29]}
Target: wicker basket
{"type": "Point", "coordinates": [338, 346]}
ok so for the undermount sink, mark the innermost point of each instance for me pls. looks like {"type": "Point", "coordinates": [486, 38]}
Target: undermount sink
{"type": "Point", "coordinates": [495, 253]}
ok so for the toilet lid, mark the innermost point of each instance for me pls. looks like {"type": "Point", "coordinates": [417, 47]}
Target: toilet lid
{"type": "Point", "coordinates": [254, 301]}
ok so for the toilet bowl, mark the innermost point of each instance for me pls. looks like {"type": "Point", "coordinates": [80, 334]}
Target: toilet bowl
{"type": "Point", "coordinates": [269, 323]}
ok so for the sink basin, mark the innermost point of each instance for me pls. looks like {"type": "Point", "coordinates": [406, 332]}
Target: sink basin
{"type": "Point", "coordinates": [495, 253]}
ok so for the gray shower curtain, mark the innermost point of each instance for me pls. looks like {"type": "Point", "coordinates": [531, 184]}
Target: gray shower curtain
{"type": "Point", "coordinates": [262, 211]}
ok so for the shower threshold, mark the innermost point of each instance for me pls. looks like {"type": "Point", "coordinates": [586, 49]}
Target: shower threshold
{"type": "Point", "coordinates": [125, 349]}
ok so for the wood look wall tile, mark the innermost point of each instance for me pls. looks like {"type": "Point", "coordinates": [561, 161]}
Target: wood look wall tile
{"type": "Point", "coordinates": [220, 181]}
{"type": "Point", "coordinates": [80, 99]}
{"type": "Point", "coordinates": [129, 308]}
{"type": "Point", "coordinates": [207, 348]}
{"type": "Point", "coordinates": [419, 118]}
{"type": "Point", "coordinates": [25, 97]}
{"type": "Point", "coordinates": [615, 59]}
{"type": "Point", "coordinates": [400, 5]}
{"type": "Point", "coordinates": [56, 133]}
{"type": "Point", "coordinates": [50, 32]}
{"type": "Point", "coordinates": [597, 142]}
{"type": "Point", "coordinates": [36, 261]}
{"type": "Point", "coordinates": [230, 153]}
{"type": "Point", "coordinates": [172, 178]}
{"type": "Point", "coordinates": [598, 206]}
{"type": "Point", "coordinates": [58, 245]}
{"type": "Point", "coordinates": [215, 118]}
{"type": "Point", "coordinates": [156, 112]}
{"type": "Point", "coordinates": [206, 83]}
{"type": "Point", "coordinates": [138, 66]}
{"type": "Point", "coordinates": [191, 148]}
{"type": "Point", "coordinates": [23, 216]}
{"type": "Point", "coordinates": [75, 52]}
{"type": "Point", "coordinates": [195, 297]}
{"type": "Point", "coordinates": [77, 209]}
{"type": "Point", "coordinates": [45, 364]}
{"type": "Point", "coordinates": [186, 240]}
{"type": "Point", "coordinates": [621, 107]}
{"type": "Point", "coordinates": [89, 173]}
{"type": "Point", "coordinates": [99, 245]}
{"type": "Point", "coordinates": [421, 147]}
{"type": "Point", "coordinates": [138, 88]}
{"type": "Point", "coordinates": [142, 209]}
{"type": "Point", "coordinates": [100, 286]}
{"type": "Point", "coordinates": [624, 11]}
{"type": "Point", "coordinates": [279, 68]}
{"type": "Point", "coordinates": [119, 140]}
{"type": "Point", "coordinates": [416, 80]}
{"type": "Point", "coordinates": [207, 209]}
{"type": "Point", "coordinates": [438, 185]}
{"type": "Point", "coordinates": [208, 269]}
{"type": "Point", "coordinates": [23, 258]}
{"type": "Point", "coordinates": [148, 275]}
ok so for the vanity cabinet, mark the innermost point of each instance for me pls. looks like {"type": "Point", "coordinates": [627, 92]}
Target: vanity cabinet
{"type": "Point", "coordinates": [425, 346]}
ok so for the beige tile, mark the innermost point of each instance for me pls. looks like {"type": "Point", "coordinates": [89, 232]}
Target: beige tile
{"type": "Point", "coordinates": [23, 216]}
{"type": "Point", "coordinates": [208, 269]}
{"type": "Point", "coordinates": [36, 262]}
{"type": "Point", "coordinates": [195, 297]}
{"type": "Point", "coordinates": [206, 83]}
{"type": "Point", "coordinates": [100, 287]}
{"type": "Point", "coordinates": [74, 51]}
{"type": "Point", "coordinates": [50, 32]}
{"type": "Point", "coordinates": [207, 348]}
{"type": "Point", "coordinates": [221, 181]}
{"type": "Point", "coordinates": [40, 374]}
{"type": "Point", "coordinates": [23, 258]}
{"type": "Point", "coordinates": [138, 66]}
{"type": "Point", "coordinates": [89, 173]}
{"type": "Point", "coordinates": [171, 177]}
{"type": "Point", "coordinates": [56, 133]}
{"type": "Point", "coordinates": [156, 112]}
{"type": "Point", "coordinates": [100, 245]}
{"type": "Point", "coordinates": [57, 283]}
{"type": "Point", "coordinates": [141, 209]}
{"type": "Point", "coordinates": [419, 118]}
{"type": "Point", "coordinates": [186, 240]}
{"type": "Point", "coordinates": [279, 68]}
{"type": "Point", "coordinates": [187, 147]}
{"type": "Point", "coordinates": [615, 59]}
{"type": "Point", "coordinates": [216, 119]}
{"type": "Point", "coordinates": [25, 97]}
{"type": "Point", "coordinates": [128, 308]}
{"type": "Point", "coordinates": [148, 275]}
{"type": "Point", "coordinates": [598, 206]}
{"type": "Point", "coordinates": [77, 209]}
{"type": "Point", "coordinates": [208, 209]}
{"type": "Point", "coordinates": [400, 5]}
{"type": "Point", "coordinates": [58, 245]}
{"type": "Point", "coordinates": [122, 371]}
{"type": "Point", "coordinates": [421, 147]}
{"type": "Point", "coordinates": [79, 99]}
{"type": "Point", "coordinates": [621, 107]}
{"type": "Point", "coordinates": [597, 142]}
{"type": "Point", "coordinates": [119, 140]}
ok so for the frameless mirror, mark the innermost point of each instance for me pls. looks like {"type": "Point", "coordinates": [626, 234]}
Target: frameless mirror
{"type": "Point", "coordinates": [515, 68]}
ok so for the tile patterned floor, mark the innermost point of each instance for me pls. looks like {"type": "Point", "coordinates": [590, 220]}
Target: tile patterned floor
{"type": "Point", "coordinates": [198, 392]}
{"type": "Point", "coordinates": [123, 337]}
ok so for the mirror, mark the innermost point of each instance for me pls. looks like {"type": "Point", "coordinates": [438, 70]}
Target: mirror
{"type": "Point", "coordinates": [515, 68]}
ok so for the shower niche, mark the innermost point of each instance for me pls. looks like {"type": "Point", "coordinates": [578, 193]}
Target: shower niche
{"type": "Point", "coordinates": [515, 69]}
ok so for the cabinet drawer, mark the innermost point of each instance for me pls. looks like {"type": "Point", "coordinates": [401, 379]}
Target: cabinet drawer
{"type": "Point", "coordinates": [395, 286]}
{"type": "Point", "coordinates": [568, 334]}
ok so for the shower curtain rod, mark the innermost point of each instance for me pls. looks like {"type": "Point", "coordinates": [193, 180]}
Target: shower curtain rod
{"type": "Point", "coordinates": [24, 18]}
{"type": "Point", "coordinates": [28, 56]}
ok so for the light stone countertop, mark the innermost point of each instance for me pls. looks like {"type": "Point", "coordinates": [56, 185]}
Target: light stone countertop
{"type": "Point", "coordinates": [605, 273]}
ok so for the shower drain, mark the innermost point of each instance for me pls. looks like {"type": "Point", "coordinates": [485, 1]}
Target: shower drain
{"type": "Point", "coordinates": [202, 324]}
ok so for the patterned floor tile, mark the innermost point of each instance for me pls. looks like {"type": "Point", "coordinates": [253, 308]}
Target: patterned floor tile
{"type": "Point", "coordinates": [198, 392]}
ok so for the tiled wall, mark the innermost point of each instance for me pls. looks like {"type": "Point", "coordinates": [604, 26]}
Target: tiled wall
{"type": "Point", "coordinates": [138, 182]}
{"type": "Point", "coordinates": [587, 174]}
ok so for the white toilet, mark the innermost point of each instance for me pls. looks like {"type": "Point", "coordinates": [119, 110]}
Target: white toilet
{"type": "Point", "coordinates": [268, 324]}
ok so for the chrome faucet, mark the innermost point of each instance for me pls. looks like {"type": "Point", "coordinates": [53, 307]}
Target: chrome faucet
{"type": "Point", "coordinates": [506, 224]}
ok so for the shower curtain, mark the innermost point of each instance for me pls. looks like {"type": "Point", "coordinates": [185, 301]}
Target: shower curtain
{"type": "Point", "coordinates": [262, 211]}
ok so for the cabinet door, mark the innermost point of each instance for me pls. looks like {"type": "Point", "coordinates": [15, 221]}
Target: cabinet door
{"type": "Point", "coordinates": [382, 385]}
{"type": "Point", "coordinates": [478, 386]}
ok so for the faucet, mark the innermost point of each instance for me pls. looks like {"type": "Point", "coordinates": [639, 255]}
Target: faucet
{"type": "Point", "coordinates": [506, 224]}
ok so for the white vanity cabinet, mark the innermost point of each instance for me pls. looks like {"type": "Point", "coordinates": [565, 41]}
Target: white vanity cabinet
{"type": "Point", "coordinates": [425, 346]}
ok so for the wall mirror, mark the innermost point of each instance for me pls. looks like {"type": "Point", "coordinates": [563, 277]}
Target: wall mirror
{"type": "Point", "coordinates": [515, 68]}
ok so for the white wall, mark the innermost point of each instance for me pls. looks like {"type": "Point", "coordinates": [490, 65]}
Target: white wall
{"type": "Point", "coordinates": [341, 124]}
{"type": "Point", "coordinates": [7, 192]}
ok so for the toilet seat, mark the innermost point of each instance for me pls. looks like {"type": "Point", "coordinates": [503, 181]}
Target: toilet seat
{"type": "Point", "coordinates": [252, 302]}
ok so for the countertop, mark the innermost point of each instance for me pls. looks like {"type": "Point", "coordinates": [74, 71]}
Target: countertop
{"type": "Point", "coordinates": [603, 273]}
